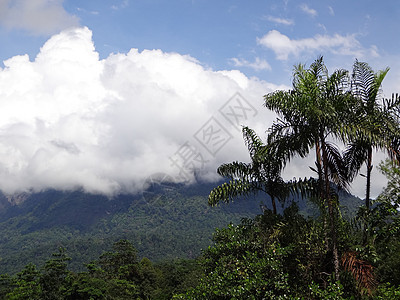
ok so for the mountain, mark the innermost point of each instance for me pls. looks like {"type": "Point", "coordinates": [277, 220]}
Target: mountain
{"type": "Point", "coordinates": [166, 221]}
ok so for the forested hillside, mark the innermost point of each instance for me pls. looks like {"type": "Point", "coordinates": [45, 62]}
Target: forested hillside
{"type": "Point", "coordinates": [169, 224]}
{"type": "Point", "coordinates": [164, 223]}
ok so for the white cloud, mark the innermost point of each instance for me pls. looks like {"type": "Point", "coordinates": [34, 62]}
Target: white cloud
{"type": "Point", "coordinates": [122, 5]}
{"type": "Point", "coordinates": [70, 120]}
{"type": "Point", "coordinates": [40, 17]}
{"type": "Point", "coordinates": [310, 11]}
{"type": "Point", "coordinates": [92, 12]}
{"type": "Point", "coordinates": [280, 20]}
{"type": "Point", "coordinates": [258, 64]}
{"type": "Point", "coordinates": [283, 46]}
{"type": "Point", "coordinates": [322, 26]}
{"type": "Point", "coordinates": [331, 11]}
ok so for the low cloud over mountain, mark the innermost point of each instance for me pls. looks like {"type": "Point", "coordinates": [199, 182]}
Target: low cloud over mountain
{"type": "Point", "coordinates": [70, 120]}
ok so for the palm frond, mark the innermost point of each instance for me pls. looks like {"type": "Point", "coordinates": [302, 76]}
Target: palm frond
{"type": "Point", "coordinates": [289, 139]}
{"type": "Point", "coordinates": [362, 81]}
{"type": "Point", "coordinates": [280, 101]}
{"type": "Point", "coordinates": [252, 140]}
{"type": "Point", "coordinates": [366, 84]}
{"type": "Point", "coordinates": [235, 170]}
{"type": "Point", "coordinates": [393, 149]}
{"type": "Point", "coordinates": [354, 156]}
{"type": "Point", "coordinates": [336, 166]}
{"type": "Point", "coordinates": [318, 69]}
{"type": "Point", "coordinates": [306, 187]}
{"type": "Point", "coordinates": [361, 270]}
{"type": "Point", "coordinates": [227, 191]}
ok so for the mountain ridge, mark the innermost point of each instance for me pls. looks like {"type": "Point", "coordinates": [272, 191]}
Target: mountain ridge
{"type": "Point", "coordinates": [167, 221]}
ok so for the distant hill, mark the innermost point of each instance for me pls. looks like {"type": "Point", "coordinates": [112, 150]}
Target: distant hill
{"type": "Point", "coordinates": [166, 221]}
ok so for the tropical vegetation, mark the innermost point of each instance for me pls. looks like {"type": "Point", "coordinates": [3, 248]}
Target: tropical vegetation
{"type": "Point", "coordinates": [338, 119]}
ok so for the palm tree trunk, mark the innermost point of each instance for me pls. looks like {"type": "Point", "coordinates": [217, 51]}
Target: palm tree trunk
{"type": "Point", "coordinates": [273, 204]}
{"type": "Point", "coordinates": [367, 196]}
{"type": "Point", "coordinates": [319, 168]}
{"type": "Point", "coordinates": [331, 211]}
{"type": "Point", "coordinates": [369, 171]}
{"type": "Point", "coordinates": [321, 188]}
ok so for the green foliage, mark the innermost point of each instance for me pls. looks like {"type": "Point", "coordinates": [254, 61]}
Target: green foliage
{"type": "Point", "coordinates": [333, 291]}
{"type": "Point", "coordinates": [387, 292]}
{"type": "Point", "coordinates": [26, 285]}
{"type": "Point", "coordinates": [240, 267]}
{"type": "Point", "coordinates": [167, 224]}
{"type": "Point", "coordinates": [54, 273]}
{"type": "Point", "coordinates": [177, 277]}
{"type": "Point", "coordinates": [117, 274]}
{"type": "Point", "coordinates": [376, 127]}
{"type": "Point", "coordinates": [121, 262]}
{"type": "Point", "coordinates": [270, 257]}
{"type": "Point", "coordinates": [7, 284]}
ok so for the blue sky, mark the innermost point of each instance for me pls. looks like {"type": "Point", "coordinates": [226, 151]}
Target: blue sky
{"type": "Point", "coordinates": [225, 34]}
{"type": "Point", "coordinates": [73, 93]}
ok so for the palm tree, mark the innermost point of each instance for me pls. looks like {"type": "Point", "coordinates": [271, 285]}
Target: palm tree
{"type": "Point", "coordinates": [261, 174]}
{"type": "Point", "coordinates": [317, 108]}
{"type": "Point", "coordinates": [376, 124]}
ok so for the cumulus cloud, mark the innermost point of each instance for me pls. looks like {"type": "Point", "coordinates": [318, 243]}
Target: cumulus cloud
{"type": "Point", "coordinates": [41, 17]}
{"type": "Point", "coordinates": [258, 64]}
{"type": "Point", "coordinates": [283, 46]}
{"type": "Point", "coordinates": [70, 120]}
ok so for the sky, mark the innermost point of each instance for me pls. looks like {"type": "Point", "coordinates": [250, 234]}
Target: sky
{"type": "Point", "coordinates": [107, 96]}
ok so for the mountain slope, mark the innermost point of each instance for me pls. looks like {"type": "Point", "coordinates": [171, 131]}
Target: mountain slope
{"type": "Point", "coordinates": [162, 223]}
{"type": "Point", "coordinates": [167, 221]}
